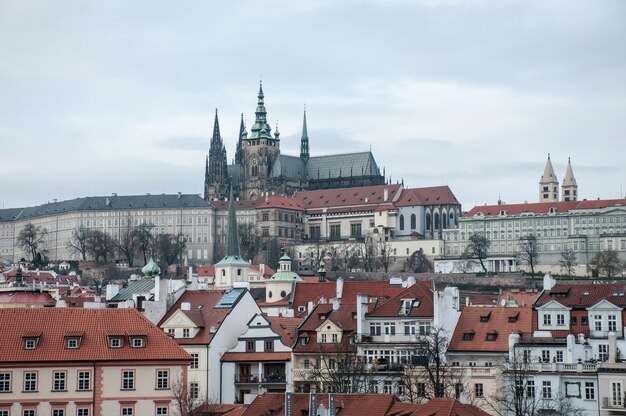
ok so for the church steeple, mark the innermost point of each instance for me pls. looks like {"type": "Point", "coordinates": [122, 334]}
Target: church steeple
{"type": "Point", "coordinates": [304, 141]}
{"type": "Point", "coordinates": [548, 184]}
{"type": "Point", "coordinates": [216, 170]}
{"type": "Point", "coordinates": [239, 151]}
{"type": "Point", "coordinates": [569, 189]}
{"type": "Point", "coordinates": [233, 236]}
{"type": "Point", "coordinates": [260, 129]}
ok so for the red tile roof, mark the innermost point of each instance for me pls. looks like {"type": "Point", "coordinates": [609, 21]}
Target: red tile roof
{"type": "Point", "coordinates": [522, 298]}
{"type": "Point", "coordinates": [543, 207]}
{"type": "Point", "coordinates": [286, 328]}
{"type": "Point", "coordinates": [348, 404]}
{"type": "Point", "coordinates": [202, 308]}
{"type": "Point", "coordinates": [54, 324]}
{"type": "Point", "coordinates": [433, 195]}
{"type": "Point", "coordinates": [313, 291]}
{"type": "Point", "coordinates": [441, 407]}
{"type": "Point", "coordinates": [482, 321]}
{"type": "Point", "coordinates": [585, 295]}
{"type": "Point", "coordinates": [219, 410]}
{"type": "Point", "coordinates": [279, 201]}
{"type": "Point", "coordinates": [344, 318]}
{"type": "Point", "coordinates": [30, 298]}
{"type": "Point", "coordinates": [420, 291]}
{"type": "Point", "coordinates": [256, 356]}
{"type": "Point", "coordinates": [366, 197]}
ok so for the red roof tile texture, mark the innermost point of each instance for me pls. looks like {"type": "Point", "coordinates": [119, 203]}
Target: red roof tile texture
{"type": "Point", "coordinates": [448, 407]}
{"type": "Point", "coordinates": [95, 324]}
{"type": "Point", "coordinates": [420, 291]}
{"type": "Point", "coordinates": [544, 207]}
{"type": "Point", "coordinates": [478, 324]}
{"type": "Point", "coordinates": [366, 196]}
{"type": "Point", "coordinates": [278, 201]}
{"type": "Point", "coordinates": [347, 404]}
{"type": "Point", "coordinates": [286, 328]}
{"type": "Point", "coordinates": [344, 318]}
{"type": "Point", "coordinates": [201, 311]}
{"type": "Point", "coordinates": [585, 295]}
{"type": "Point", "coordinates": [433, 195]}
{"type": "Point", "coordinates": [30, 298]}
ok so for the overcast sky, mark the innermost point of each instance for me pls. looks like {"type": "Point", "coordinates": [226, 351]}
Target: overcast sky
{"type": "Point", "coordinates": [119, 96]}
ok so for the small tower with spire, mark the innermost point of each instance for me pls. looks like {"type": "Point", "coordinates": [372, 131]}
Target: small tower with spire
{"type": "Point", "coordinates": [569, 189]}
{"type": "Point", "coordinates": [216, 169]}
{"type": "Point", "coordinates": [548, 184]}
{"type": "Point", "coordinates": [304, 141]}
{"type": "Point", "coordinates": [242, 134]}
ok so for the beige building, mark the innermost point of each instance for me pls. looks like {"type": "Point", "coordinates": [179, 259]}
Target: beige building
{"type": "Point", "coordinates": [87, 362]}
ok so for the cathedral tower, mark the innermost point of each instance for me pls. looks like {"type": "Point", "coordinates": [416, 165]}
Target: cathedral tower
{"type": "Point", "coordinates": [260, 151]}
{"type": "Point", "coordinates": [216, 170]}
{"type": "Point", "coordinates": [548, 184]}
{"type": "Point", "coordinates": [304, 142]}
{"type": "Point", "coordinates": [569, 189]}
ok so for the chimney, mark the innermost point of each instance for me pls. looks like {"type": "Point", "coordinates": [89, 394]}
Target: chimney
{"type": "Point", "coordinates": [262, 269]}
{"type": "Point", "coordinates": [114, 194]}
{"type": "Point", "coordinates": [361, 310]}
{"type": "Point", "coordinates": [157, 288]}
{"type": "Point", "coordinates": [336, 303]}
{"type": "Point", "coordinates": [410, 281]}
{"type": "Point", "coordinates": [612, 347]}
{"type": "Point", "coordinates": [179, 195]}
{"type": "Point", "coordinates": [339, 287]}
{"type": "Point", "coordinates": [385, 194]}
{"type": "Point", "coordinates": [548, 282]}
{"type": "Point", "coordinates": [185, 306]}
{"type": "Point", "coordinates": [309, 307]}
{"type": "Point", "coordinates": [513, 340]}
{"type": "Point", "coordinates": [107, 201]}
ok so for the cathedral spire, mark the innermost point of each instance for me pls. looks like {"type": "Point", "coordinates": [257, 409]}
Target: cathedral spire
{"type": "Point", "coordinates": [260, 129]}
{"type": "Point", "coordinates": [548, 184]}
{"type": "Point", "coordinates": [569, 189]}
{"type": "Point", "coordinates": [304, 141]}
{"type": "Point", "coordinates": [216, 129]}
{"type": "Point", "coordinates": [239, 151]}
{"type": "Point", "coordinates": [233, 236]}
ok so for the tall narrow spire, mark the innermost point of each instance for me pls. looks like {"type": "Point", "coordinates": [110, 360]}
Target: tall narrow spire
{"type": "Point", "coordinates": [233, 236]}
{"type": "Point", "coordinates": [260, 129]}
{"type": "Point", "coordinates": [569, 189]}
{"type": "Point", "coordinates": [548, 184]}
{"type": "Point", "coordinates": [216, 129]}
{"type": "Point", "coordinates": [304, 141]}
{"type": "Point", "coordinates": [239, 151]}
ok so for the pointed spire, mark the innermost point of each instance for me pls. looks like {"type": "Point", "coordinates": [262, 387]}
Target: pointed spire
{"type": "Point", "coordinates": [276, 132]}
{"type": "Point", "coordinates": [548, 184]}
{"type": "Point", "coordinates": [239, 150]}
{"type": "Point", "coordinates": [233, 235]}
{"type": "Point", "coordinates": [304, 141]}
{"type": "Point", "coordinates": [260, 129]}
{"type": "Point", "coordinates": [569, 189]}
{"type": "Point", "coordinates": [216, 129]}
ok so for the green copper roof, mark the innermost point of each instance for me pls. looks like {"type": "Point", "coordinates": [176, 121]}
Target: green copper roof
{"type": "Point", "coordinates": [286, 275]}
{"type": "Point", "coordinates": [151, 268]}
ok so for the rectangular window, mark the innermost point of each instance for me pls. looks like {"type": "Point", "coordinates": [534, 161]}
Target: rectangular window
{"type": "Point", "coordinates": [58, 412]}
{"type": "Point", "coordinates": [590, 390]}
{"type": "Point", "coordinates": [161, 411]}
{"type": "Point", "coordinates": [269, 345]}
{"type": "Point", "coordinates": [127, 411]}
{"type": "Point", "coordinates": [28, 412]}
{"type": "Point", "coordinates": [314, 232]}
{"type": "Point", "coordinates": [84, 380]}
{"type": "Point", "coordinates": [388, 387]}
{"type": "Point", "coordinates": [335, 338]}
{"type": "Point", "coordinates": [30, 381]}
{"type": "Point", "coordinates": [603, 352]}
{"type": "Point", "coordinates": [597, 322]}
{"type": "Point", "coordinates": [250, 346]}
{"type": "Point", "coordinates": [559, 356]}
{"type": "Point", "coordinates": [335, 231]}
{"type": "Point", "coordinates": [375, 328]}
{"type": "Point", "coordinates": [547, 320]}
{"type": "Point", "coordinates": [530, 388]}
{"type": "Point", "coordinates": [194, 360]}
{"type": "Point", "coordinates": [545, 356]}
{"type": "Point", "coordinates": [128, 380]}
{"type": "Point", "coordinates": [612, 323]}
{"type": "Point", "coordinates": [5, 382]}
{"type": "Point", "coordinates": [82, 412]}
{"type": "Point", "coordinates": [162, 379]}
{"type": "Point", "coordinates": [323, 338]}
{"type": "Point", "coordinates": [390, 328]}
{"type": "Point", "coordinates": [478, 390]}
{"type": "Point", "coordinates": [546, 391]}
{"type": "Point", "coordinates": [194, 390]}
{"type": "Point", "coordinates": [185, 332]}
{"type": "Point", "coordinates": [560, 319]}
{"type": "Point", "coordinates": [420, 389]}
{"type": "Point", "coordinates": [355, 230]}
{"type": "Point", "coordinates": [58, 380]}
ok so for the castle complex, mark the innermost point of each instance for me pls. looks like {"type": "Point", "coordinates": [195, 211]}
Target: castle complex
{"type": "Point", "coordinates": [259, 168]}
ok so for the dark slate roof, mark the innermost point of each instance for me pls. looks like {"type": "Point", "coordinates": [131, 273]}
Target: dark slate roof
{"type": "Point", "coordinates": [344, 165]}
{"type": "Point", "coordinates": [288, 166]}
{"type": "Point", "coordinates": [139, 286]}
{"type": "Point", "coordinates": [99, 203]}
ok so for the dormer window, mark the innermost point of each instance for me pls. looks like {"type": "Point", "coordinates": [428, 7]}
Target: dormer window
{"type": "Point", "coordinates": [513, 318]}
{"type": "Point", "coordinates": [485, 318]}
{"type": "Point", "coordinates": [491, 336]}
{"type": "Point", "coordinates": [30, 343]}
{"type": "Point", "coordinates": [72, 343]}
{"type": "Point", "coordinates": [138, 341]}
{"type": "Point", "coordinates": [407, 304]}
{"type": "Point", "coordinates": [116, 342]}
{"type": "Point", "coordinates": [468, 336]}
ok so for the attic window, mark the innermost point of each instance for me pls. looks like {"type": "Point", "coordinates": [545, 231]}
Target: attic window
{"type": "Point", "coordinates": [31, 343]}
{"type": "Point", "coordinates": [116, 342]}
{"type": "Point", "coordinates": [468, 336]}
{"type": "Point", "coordinates": [586, 293]}
{"type": "Point", "coordinates": [72, 343]}
{"type": "Point", "coordinates": [513, 318]}
{"type": "Point", "coordinates": [138, 341]}
{"type": "Point", "coordinates": [301, 308]}
{"type": "Point", "coordinates": [492, 336]}
{"type": "Point", "coordinates": [618, 294]}
{"type": "Point", "coordinates": [485, 318]}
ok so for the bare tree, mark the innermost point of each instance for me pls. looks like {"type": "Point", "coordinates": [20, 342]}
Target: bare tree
{"type": "Point", "coordinates": [528, 252]}
{"type": "Point", "coordinates": [100, 245]}
{"type": "Point", "coordinates": [568, 261]}
{"type": "Point", "coordinates": [478, 248]}
{"type": "Point", "coordinates": [385, 252]}
{"type": "Point", "coordinates": [430, 375]}
{"type": "Point", "coordinates": [369, 255]}
{"type": "Point", "coordinates": [188, 401]}
{"type": "Point", "coordinates": [78, 242]}
{"type": "Point", "coordinates": [31, 238]}
{"type": "Point", "coordinates": [519, 396]}
{"type": "Point", "coordinates": [145, 238]}
{"type": "Point", "coordinates": [342, 371]}
{"type": "Point", "coordinates": [272, 247]}
{"type": "Point", "coordinates": [127, 244]}
{"type": "Point", "coordinates": [250, 240]}
{"type": "Point", "coordinates": [418, 262]}
{"type": "Point", "coordinates": [606, 263]}
{"type": "Point", "coordinates": [169, 247]}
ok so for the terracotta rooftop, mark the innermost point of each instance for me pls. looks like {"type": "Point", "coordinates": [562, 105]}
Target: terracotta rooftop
{"type": "Point", "coordinates": [366, 196]}
{"type": "Point", "coordinates": [488, 329]}
{"type": "Point", "coordinates": [344, 318]}
{"type": "Point", "coordinates": [544, 207]}
{"type": "Point", "coordinates": [30, 298]}
{"type": "Point", "coordinates": [201, 311]}
{"type": "Point", "coordinates": [420, 291]}
{"type": "Point", "coordinates": [286, 328]}
{"type": "Point", "coordinates": [54, 324]}
{"type": "Point", "coordinates": [433, 195]}
{"type": "Point", "coordinates": [442, 407]}
{"type": "Point", "coordinates": [585, 295]}
{"type": "Point", "coordinates": [279, 201]}
{"type": "Point", "coordinates": [346, 404]}
{"type": "Point", "coordinates": [521, 298]}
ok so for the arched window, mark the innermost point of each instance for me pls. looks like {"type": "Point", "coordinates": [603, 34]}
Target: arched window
{"type": "Point", "coordinates": [428, 221]}
{"type": "Point", "coordinates": [413, 222]}
{"type": "Point", "coordinates": [255, 171]}
{"type": "Point", "coordinates": [401, 222]}
{"type": "Point", "coordinates": [436, 220]}
{"type": "Point", "coordinates": [444, 217]}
